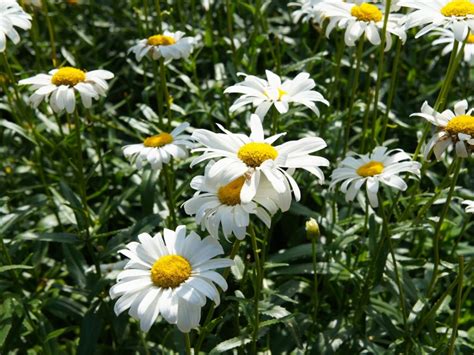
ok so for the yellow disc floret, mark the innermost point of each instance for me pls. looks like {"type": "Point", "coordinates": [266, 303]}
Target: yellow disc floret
{"type": "Point", "coordinates": [367, 12]}
{"type": "Point", "coordinates": [372, 168]}
{"type": "Point", "coordinates": [254, 154]}
{"type": "Point", "coordinates": [461, 124]}
{"type": "Point", "coordinates": [230, 193]}
{"type": "Point", "coordinates": [161, 40]}
{"type": "Point", "coordinates": [281, 93]}
{"type": "Point", "coordinates": [158, 140]}
{"type": "Point", "coordinates": [470, 39]}
{"type": "Point", "coordinates": [170, 271]}
{"type": "Point", "coordinates": [458, 8]}
{"type": "Point", "coordinates": [68, 76]}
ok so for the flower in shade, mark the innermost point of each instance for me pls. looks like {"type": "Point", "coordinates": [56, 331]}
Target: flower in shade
{"type": "Point", "coordinates": [469, 206]}
{"type": "Point", "coordinates": [362, 19]}
{"type": "Point", "coordinates": [168, 45]}
{"type": "Point", "coordinates": [11, 16]}
{"type": "Point", "coordinates": [382, 166]}
{"type": "Point", "coordinates": [217, 204]}
{"type": "Point", "coordinates": [160, 148]}
{"type": "Point", "coordinates": [454, 128]}
{"type": "Point", "coordinates": [265, 93]}
{"type": "Point", "coordinates": [60, 86]}
{"type": "Point", "coordinates": [457, 15]}
{"type": "Point", "coordinates": [255, 156]}
{"type": "Point", "coordinates": [446, 38]}
{"type": "Point", "coordinates": [307, 10]}
{"type": "Point", "coordinates": [171, 275]}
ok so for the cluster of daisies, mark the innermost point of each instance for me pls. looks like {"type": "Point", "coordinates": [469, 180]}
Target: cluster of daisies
{"type": "Point", "coordinates": [449, 20]}
{"type": "Point", "coordinates": [249, 173]}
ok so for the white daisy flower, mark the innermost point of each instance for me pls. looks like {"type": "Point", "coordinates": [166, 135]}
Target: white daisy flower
{"type": "Point", "coordinates": [307, 10]}
{"type": "Point", "coordinates": [381, 166]}
{"type": "Point", "coordinates": [362, 19]}
{"type": "Point", "coordinates": [159, 149]}
{"type": "Point", "coordinates": [251, 156]}
{"type": "Point", "coordinates": [59, 87]}
{"type": "Point", "coordinates": [218, 204]}
{"type": "Point", "coordinates": [169, 275]}
{"type": "Point", "coordinates": [265, 93]}
{"type": "Point", "coordinates": [446, 37]}
{"type": "Point", "coordinates": [469, 206]}
{"type": "Point", "coordinates": [457, 15]}
{"type": "Point", "coordinates": [11, 16]}
{"type": "Point", "coordinates": [169, 45]}
{"type": "Point", "coordinates": [455, 128]}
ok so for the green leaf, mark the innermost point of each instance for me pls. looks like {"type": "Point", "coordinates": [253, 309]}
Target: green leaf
{"type": "Point", "coordinates": [14, 267]}
{"type": "Point", "coordinates": [67, 238]}
{"type": "Point", "coordinates": [230, 344]}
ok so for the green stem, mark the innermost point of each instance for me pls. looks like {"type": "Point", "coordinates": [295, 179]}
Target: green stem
{"type": "Point", "coordinates": [393, 88]}
{"type": "Point", "coordinates": [380, 71]}
{"type": "Point", "coordinates": [187, 341]}
{"type": "Point", "coordinates": [257, 286]}
{"type": "Point", "coordinates": [436, 237]}
{"type": "Point", "coordinates": [458, 306]}
{"type": "Point", "coordinates": [50, 32]}
{"type": "Point", "coordinates": [82, 191]}
{"type": "Point", "coordinates": [355, 84]}
{"type": "Point", "coordinates": [386, 231]}
{"type": "Point", "coordinates": [315, 282]}
{"type": "Point", "coordinates": [169, 192]}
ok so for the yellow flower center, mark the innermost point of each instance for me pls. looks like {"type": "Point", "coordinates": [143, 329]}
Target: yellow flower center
{"type": "Point", "coordinates": [170, 271]}
{"type": "Point", "coordinates": [372, 168]}
{"type": "Point", "coordinates": [458, 8]}
{"type": "Point", "coordinates": [461, 124]}
{"type": "Point", "coordinates": [470, 39]}
{"type": "Point", "coordinates": [281, 93]}
{"type": "Point", "coordinates": [230, 193]}
{"type": "Point", "coordinates": [158, 140]}
{"type": "Point", "coordinates": [68, 76]}
{"type": "Point", "coordinates": [161, 40]}
{"type": "Point", "coordinates": [254, 154]}
{"type": "Point", "coordinates": [367, 12]}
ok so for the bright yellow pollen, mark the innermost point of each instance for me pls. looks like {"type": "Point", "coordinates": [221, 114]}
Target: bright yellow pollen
{"type": "Point", "coordinates": [230, 193]}
{"type": "Point", "coordinates": [470, 39]}
{"type": "Point", "coordinates": [161, 40]}
{"type": "Point", "coordinates": [458, 8]}
{"type": "Point", "coordinates": [367, 12]}
{"type": "Point", "coordinates": [170, 271]}
{"type": "Point", "coordinates": [158, 140]}
{"type": "Point", "coordinates": [68, 76]}
{"type": "Point", "coordinates": [372, 168]}
{"type": "Point", "coordinates": [254, 154]}
{"type": "Point", "coordinates": [461, 124]}
{"type": "Point", "coordinates": [281, 93]}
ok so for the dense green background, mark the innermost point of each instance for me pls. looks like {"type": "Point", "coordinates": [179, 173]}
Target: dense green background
{"type": "Point", "coordinates": [55, 302]}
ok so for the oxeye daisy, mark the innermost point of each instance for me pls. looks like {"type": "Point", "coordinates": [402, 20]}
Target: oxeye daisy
{"type": "Point", "coordinates": [217, 204]}
{"type": "Point", "coordinates": [381, 166]}
{"type": "Point", "coordinates": [168, 45]}
{"type": "Point", "coordinates": [59, 87]}
{"type": "Point", "coordinates": [251, 156]}
{"type": "Point", "coordinates": [446, 37]}
{"type": "Point", "coordinates": [455, 128]}
{"type": "Point", "coordinates": [457, 15]}
{"type": "Point", "coordinates": [469, 206]}
{"type": "Point", "coordinates": [160, 148]}
{"type": "Point", "coordinates": [169, 275]}
{"type": "Point", "coordinates": [307, 10]}
{"type": "Point", "coordinates": [265, 93]}
{"type": "Point", "coordinates": [11, 16]}
{"type": "Point", "coordinates": [362, 19]}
